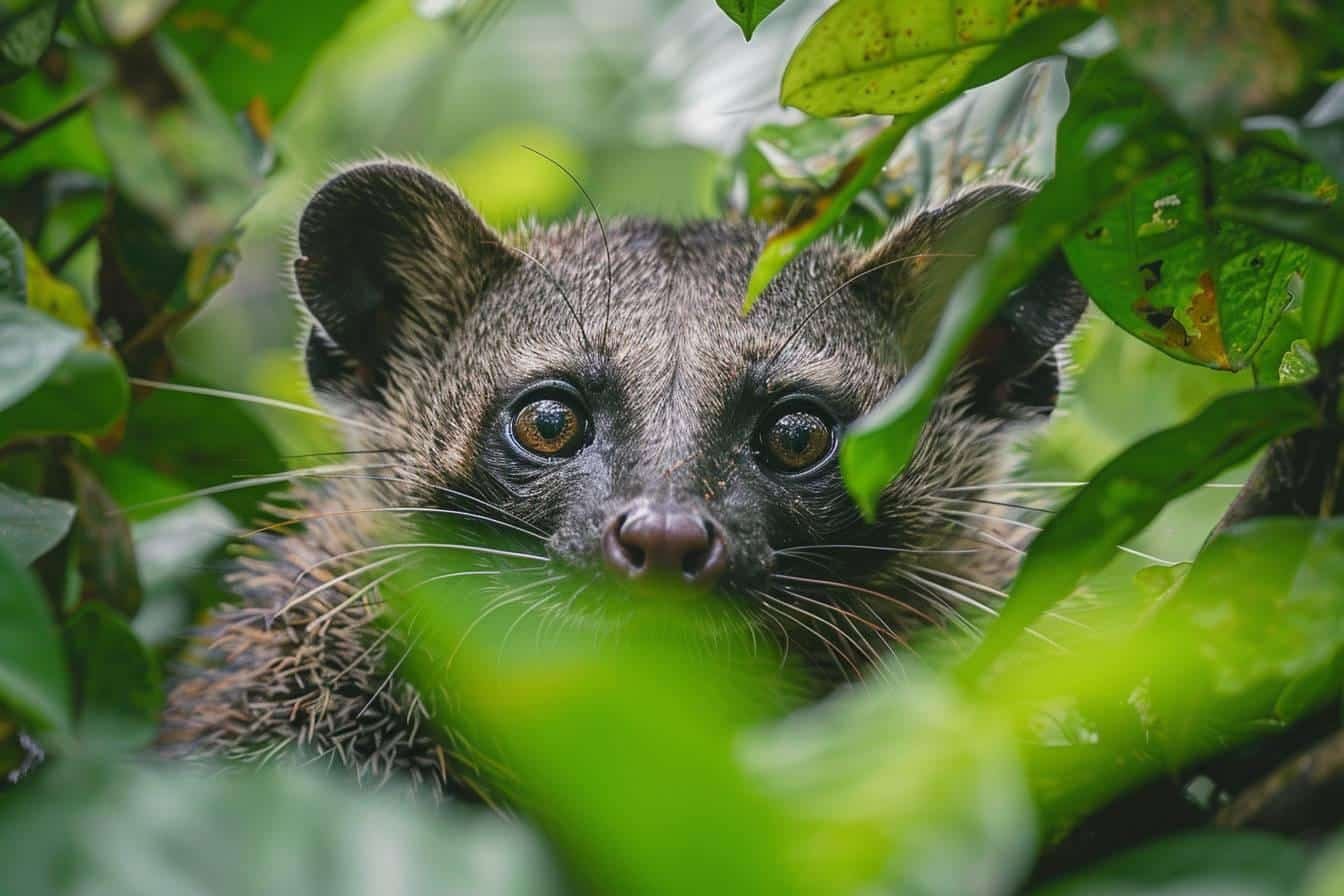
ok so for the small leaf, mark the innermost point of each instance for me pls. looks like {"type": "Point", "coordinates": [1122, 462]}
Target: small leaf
{"type": "Point", "coordinates": [748, 13]}
{"type": "Point", "coordinates": [26, 33]}
{"type": "Point", "coordinates": [1207, 862]}
{"type": "Point", "coordinates": [1298, 364]}
{"type": "Point", "coordinates": [53, 296]}
{"type": "Point", "coordinates": [32, 345]}
{"type": "Point", "coordinates": [117, 682]}
{"type": "Point", "coordinates": [894, 58]}
{"type": "Point", "coordinates": [13, 275]}
{"type": "Point", "coordinates": [29, 525]}
{"type": "Point", "coordinates": [104, 549]}
{"type": "Point", "coordinates": [33, 680]}
{"type": "Point", "coordinates": [86, 393]}
{"type": "Point", "coordinates": [1323, 301]}
{"type": "Point", "coordinates": [1126, 494]}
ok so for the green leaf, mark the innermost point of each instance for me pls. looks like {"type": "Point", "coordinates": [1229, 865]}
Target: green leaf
{"type": "Point", "coordinates": [1323, 301]}
{"type": "Point", "coordinates": [1202, 286]}
{"type": "Point", "coordinates": [102, 545]}
{"type": "Point", "coordinates": [1040, 37]}
{"type": "Point", "coordinates": [1327, 874]}
{"type": "Point", "coordinates": [33, 680]}
{"type": "Point", "coordinates": [255, 52]}
{"type": "Point", "coordinates": [26, 32]}
{"type": "Point", "coordinates": [1298, 364]}
{"type": "Point", "coordinates": [1119, 138]}
{"type": "Point", "coordinates": [32, 346]}
{"type": "Point", "coordinates": [86, 394]}
{"type": "Point", "coordinates": [894, 58]}
{"type": "Point", "coordinates": [125, 829]}
{"type": "Point", "coordinates": [29, 525]}
{"type": "Point", "coordinates": [1306, 219]}
{"type": "Point", "coordinates": [1125, 495]}
{"type": "Point", "coordinates": [1213, 63]}
{"type": "Point", "coordinates": [1240, 863]}
{"type": "Point", "coordinates": [748, 13]}
{"type": "Point", "coordinates": [117, 681]}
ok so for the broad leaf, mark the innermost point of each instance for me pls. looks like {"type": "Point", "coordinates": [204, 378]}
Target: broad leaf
{"type": "Point", "coordinates": [1240, 863]}
{"type": "Point", "coordinates": [1125, 495]}
{"type": "Point", "coordinates": [121, 829]}
{"type": "Point", "coordinates": [33, 682]}
{"type": "Point", "coordinates": [1311, 219]}
{"type": "Point", "coordinates": [895, 58]}
{"type": "Point", "coordinates": [1168, 268]}
{"type": "Point", "coordinates": [26, 30]}
{"type": "Point", "coordinates": [748, 13]}
{"type": "Point", "coordinates": [116, 680]}
{"type": "Point", "coordinates": [31, 525]}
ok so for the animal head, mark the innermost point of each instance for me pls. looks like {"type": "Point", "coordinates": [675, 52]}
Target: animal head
{"type": "Point", "coordinates": [597, 385]}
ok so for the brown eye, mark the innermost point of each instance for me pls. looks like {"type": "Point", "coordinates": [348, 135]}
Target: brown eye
{"type": "Point", "coordinates": [796, 440]}
{"type": "Point", "coordinates": [549, 427]}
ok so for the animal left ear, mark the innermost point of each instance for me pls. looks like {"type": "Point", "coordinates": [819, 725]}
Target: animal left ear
{"type": "Point", "coordinates": [1015, 361]}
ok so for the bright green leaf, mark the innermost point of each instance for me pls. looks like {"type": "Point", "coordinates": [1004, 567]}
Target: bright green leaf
{"type": "Point", "coordinates": [33, 680]}
{"type": "Point", "coordinates": [32, 346]}
{"type": "Point", "coordinates": [31, 525]}
{"type": "Point", "coordinates": [748, 13]}
{"type": "Point", "coordinates": [1298, 364]}
{"type": "Point", "coordinates": [893, 57]}
{"type": "Point", "coordinates": [1327, 874]}
{"type": "Point", "coordinates": [1125, 495]}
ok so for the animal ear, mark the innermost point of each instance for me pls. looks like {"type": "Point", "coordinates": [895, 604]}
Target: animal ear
{"type": "Point", "coordinates": [1015, 360]}
{"type": "Point", "coordinates": [387, 249]}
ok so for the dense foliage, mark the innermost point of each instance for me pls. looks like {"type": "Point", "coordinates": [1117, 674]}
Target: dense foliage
{"type": "Point", "coordinates": [1194, 192]}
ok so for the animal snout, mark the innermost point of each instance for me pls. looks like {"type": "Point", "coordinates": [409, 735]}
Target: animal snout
{"type": "Point", "coordinates": [665, 539]}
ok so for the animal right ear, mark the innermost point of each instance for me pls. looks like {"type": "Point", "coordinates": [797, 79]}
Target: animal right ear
{"type": "Point", "coordinates": [383, 248]}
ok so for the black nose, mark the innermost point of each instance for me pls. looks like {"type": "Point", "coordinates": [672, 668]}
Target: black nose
{"type": "Point", "coordinates": [665, 538]}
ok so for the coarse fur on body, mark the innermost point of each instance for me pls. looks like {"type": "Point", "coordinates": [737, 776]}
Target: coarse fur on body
{"type": "Point", "coordinates": [430, 331]}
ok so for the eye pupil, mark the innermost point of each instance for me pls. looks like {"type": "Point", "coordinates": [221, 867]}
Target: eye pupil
{"type": "Point", "coordinates": [551, 419]}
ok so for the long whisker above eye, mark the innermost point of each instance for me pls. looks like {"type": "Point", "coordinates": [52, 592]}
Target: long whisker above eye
{"type": "Point", "coordinates": [564, 295]}
{"type": "Point", "coordinates": [252, 399]}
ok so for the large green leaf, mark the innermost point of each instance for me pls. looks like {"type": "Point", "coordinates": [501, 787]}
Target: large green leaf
{"type": "Point", "coordinates": [1119, 136]}
{"type": "Point", "coordinates": [896, 57]}
{"type": "Point", "coordinates": [117, 681]}
{"type": "Point", "coordinates": [1165, 268]}
{"type": "Point", "coordinates": [748, 13]}
{"type": "Point", "coordinates": [255, 51]}
{"type": "Point", "coordinates": [33, 680]}
{"type": "Point", "coordinates": [31, 525]}
{"type": "Point", "coordinates": [1231, 863]}
{"type": "Point", "coordinates": [1039, 37]}
{"type": "Point", "coordinates": [32, 345]}
{"type": "Point", "coordinates": [121, 829]}
{"type": "Point", "coordinates": [1125, 495]}
{"type": "Point", "coordinates": [26, 30]}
